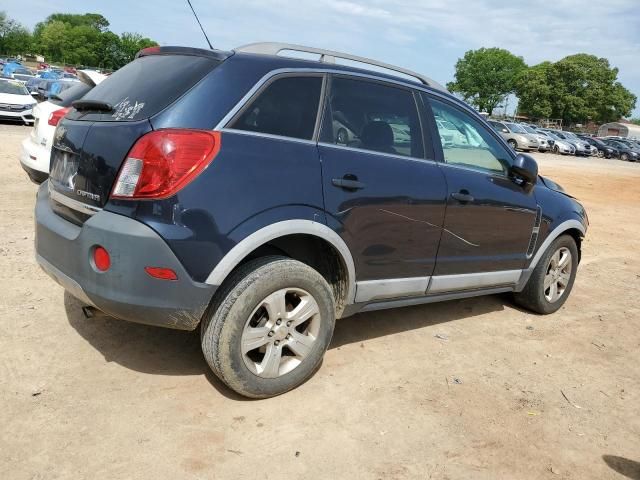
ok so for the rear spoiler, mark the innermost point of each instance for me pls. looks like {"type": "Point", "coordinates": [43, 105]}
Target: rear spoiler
{"type": "Point", "coordinates": [219, 55]}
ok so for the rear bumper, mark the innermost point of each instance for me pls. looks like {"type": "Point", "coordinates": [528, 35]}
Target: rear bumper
{"type": "Point", "coordinates": [34, 159]}
{"type": "Point", "coordinates": [125, 291]}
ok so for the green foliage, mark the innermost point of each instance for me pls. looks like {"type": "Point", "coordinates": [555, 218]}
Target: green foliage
{"type": "Point", "coordinates": [72, 39]}
{"type": "Point", "coordinates": [635, 121]}
{"type": "Point", "coordinates": [577, 88]}
{"type": "Point", "coordinates": [486, 76]}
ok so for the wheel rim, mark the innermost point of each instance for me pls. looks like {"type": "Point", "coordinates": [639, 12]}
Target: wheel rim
{"type": "Point", "coordinates": [513, 144]}
{"type": "Point", "coordinates": [280, 332]}
{"type": "Point", "coordinates": [558, 274]}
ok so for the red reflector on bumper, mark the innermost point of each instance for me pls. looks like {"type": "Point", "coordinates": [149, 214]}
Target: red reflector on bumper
{"type": "Point", "coordinates": [161, 273]}
{"type": "Point", "coordinates": [101, 259]}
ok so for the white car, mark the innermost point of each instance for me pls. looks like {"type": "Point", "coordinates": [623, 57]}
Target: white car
{"type": "Point", "coordinates": [16, 103]}
{"type": "Point", "coordinates": [36, 148]}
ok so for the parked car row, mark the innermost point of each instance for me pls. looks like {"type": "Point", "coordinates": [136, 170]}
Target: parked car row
{"type": "Point", "coordinates": [527, 137]}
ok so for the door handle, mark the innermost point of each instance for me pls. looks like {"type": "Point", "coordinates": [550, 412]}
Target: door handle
{"type": "Point", "coordinates": [462, 197]}
{"type": "Point", "coordinates": [348, 183]}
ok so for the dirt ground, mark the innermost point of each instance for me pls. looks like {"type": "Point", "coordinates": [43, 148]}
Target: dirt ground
{"type": "Point", "coordinates": [504, 394]}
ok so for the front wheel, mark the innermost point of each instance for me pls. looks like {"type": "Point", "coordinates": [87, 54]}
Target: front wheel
{"type": "Point", "coordinates": [513, 144]}
{"type": "Point", "coordinates": [624, 157]}
{"type": "Point", "coordinates": [269, 326]}
{"type": "Point", "coordinates": [552, 279]}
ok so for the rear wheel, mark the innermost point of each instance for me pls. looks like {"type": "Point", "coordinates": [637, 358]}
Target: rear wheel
{"type": "Point", "coordinates": [512, 143]}
{"type": "Point", "coordinates": [269, 326]}
{"type": "Point", "coordinates": [552, 279]}
{"type": "Point", "coordinates": [624, 157]}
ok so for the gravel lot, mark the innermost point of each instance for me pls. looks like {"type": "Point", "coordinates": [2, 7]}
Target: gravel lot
{"type": "Point", "coordinates": [506, 394]}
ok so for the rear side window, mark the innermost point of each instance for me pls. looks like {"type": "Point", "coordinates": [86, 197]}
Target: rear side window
{"type": "Point", "coordinates": [372, 116]}
{"type": "Point", "coordinates": [148, 85]}
{"type": "Point", "coordinates": [287, 107]}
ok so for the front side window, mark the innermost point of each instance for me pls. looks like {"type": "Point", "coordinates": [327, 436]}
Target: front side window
{"type": "Point", "coordinates": [372, 116]}
{"type": "Point", "coordinates": [466, 142]}
{"type": "Point", "coordinates": [287, 107]}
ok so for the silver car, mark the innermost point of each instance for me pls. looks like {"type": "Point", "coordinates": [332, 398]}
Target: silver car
{"type": "Point", "coordinates": [515, 135]}
{"type": "Point", "coordinates": [544, 146]}
{"type": "Point", "coordinates": [560, 146]}
{"type": "Point", "coordinates": [581, 146]}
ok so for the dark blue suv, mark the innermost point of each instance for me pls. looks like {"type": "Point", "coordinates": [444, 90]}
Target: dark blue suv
{"type": "Point", "coordinates": [262, 197]}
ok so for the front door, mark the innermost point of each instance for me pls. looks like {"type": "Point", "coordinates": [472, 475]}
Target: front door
{"type": "Point", "coordinates": [382, 194]}
{"type": "Point", "coordinates": [490, 218]}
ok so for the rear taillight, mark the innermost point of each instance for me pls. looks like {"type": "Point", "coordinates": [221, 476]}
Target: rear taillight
{"type": "Point", "coordinates": [164, 161]}
{"type": "Point", "coordinates": [55, 117]}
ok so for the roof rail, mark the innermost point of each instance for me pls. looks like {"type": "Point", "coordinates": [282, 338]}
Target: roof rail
{"type": "Point", "coordinates": [329, 56]}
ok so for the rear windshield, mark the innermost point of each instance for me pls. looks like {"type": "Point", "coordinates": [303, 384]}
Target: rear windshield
{"type": "Point", "coordinates": [147, 85]}
{"type": "Point", "coordinates": [65, 97]}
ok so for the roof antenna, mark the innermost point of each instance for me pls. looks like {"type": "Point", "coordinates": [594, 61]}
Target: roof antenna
{"type": "Point", "coordinates": [198, 20]}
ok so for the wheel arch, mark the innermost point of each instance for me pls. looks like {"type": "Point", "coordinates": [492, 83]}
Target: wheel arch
{"type": "Point", "coordinates": [572, 227]}
{"type": "Point", "coordinates": [311, 242]}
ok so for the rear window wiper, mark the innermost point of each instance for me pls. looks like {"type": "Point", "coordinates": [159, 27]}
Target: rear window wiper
{"type": "Point", "coordinates": [92, 105]}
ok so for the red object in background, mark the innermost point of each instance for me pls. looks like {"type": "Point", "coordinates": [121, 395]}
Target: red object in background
{"type": "Point", "coordinates": [43, 66]}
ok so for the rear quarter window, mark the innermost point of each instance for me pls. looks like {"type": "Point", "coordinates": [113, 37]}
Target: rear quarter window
{"type": "Point", "coordinates": [147, 86]}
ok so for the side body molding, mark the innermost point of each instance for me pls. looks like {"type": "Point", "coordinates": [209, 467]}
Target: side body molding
{"type": "Point", "coordinates": [555, 233]}
{"type": "Point", "coordinates": [280, 229]}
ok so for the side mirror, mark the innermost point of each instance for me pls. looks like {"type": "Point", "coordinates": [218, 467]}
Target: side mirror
{"type": "Point", "coordinates": [525, 168]}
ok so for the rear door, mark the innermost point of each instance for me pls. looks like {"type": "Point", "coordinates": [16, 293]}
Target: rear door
{"type": "Point", "coordinates": [384, 194]}
{"type": "Point", "coordinates": [490, 218]}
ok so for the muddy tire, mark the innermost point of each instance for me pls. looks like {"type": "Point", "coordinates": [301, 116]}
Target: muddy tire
{"type": "Point", "coordinates": [268, 327]}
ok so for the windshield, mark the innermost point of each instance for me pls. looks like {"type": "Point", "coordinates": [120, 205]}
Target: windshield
{"type": "Point", "coordinates": [515, 128]}
{"type": "Point", "coordinates": [529, 129]}
{"type": "Point", "coordinates": [13, 88]}
{"type": "Point", "coordinates": [570, 135]}
{"type": "Point", "coordinates": [552, 135]}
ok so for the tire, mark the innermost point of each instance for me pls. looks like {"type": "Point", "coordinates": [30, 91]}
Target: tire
{"type": "Point", "coordinates": [556, 150]}
{"type": "Point", "coordinates": [624, 157]}
{"type": "Point", "coordinates": [240, 313]}
{"type": "Point", "coordinates": [513, 144]}
{"type": "Point", "coordinates": [534, 297]}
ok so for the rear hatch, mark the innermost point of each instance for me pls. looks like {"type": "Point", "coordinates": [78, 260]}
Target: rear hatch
{"type": "Point", "coordinates": [93, 139]}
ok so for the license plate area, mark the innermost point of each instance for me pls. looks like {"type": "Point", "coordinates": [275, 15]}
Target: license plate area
{"type": "Point", "coordinates": [64, 169]}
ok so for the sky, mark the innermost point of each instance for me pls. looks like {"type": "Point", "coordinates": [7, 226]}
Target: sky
{"type": "Point", "coordinates": [427, 36]}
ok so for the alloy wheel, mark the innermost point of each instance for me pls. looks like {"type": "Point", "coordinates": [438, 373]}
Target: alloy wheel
{"type": "Point", "coordinates": [558, 274]}
{"type": "Point", "coordinates": [280, 332]}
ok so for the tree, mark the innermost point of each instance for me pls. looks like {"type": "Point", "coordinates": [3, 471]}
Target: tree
{"type": "Point", "coordinates": [534, 91]}
{"type": "Point", "coordinates": [14, 38]}
{"type": "Point", "coordinates": [86, 40]}
{"type": "Point", "coordinates": [635, 121]}
{"type": "Point", "coordinates": [132, 43]}
{"type": "Point", "coordinates": [486, 76]}
{"type": "Point", "coordinates": [577, 88]}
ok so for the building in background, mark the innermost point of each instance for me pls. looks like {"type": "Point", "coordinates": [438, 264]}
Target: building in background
{"type": "Point", "coordinates": [619, 129]}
